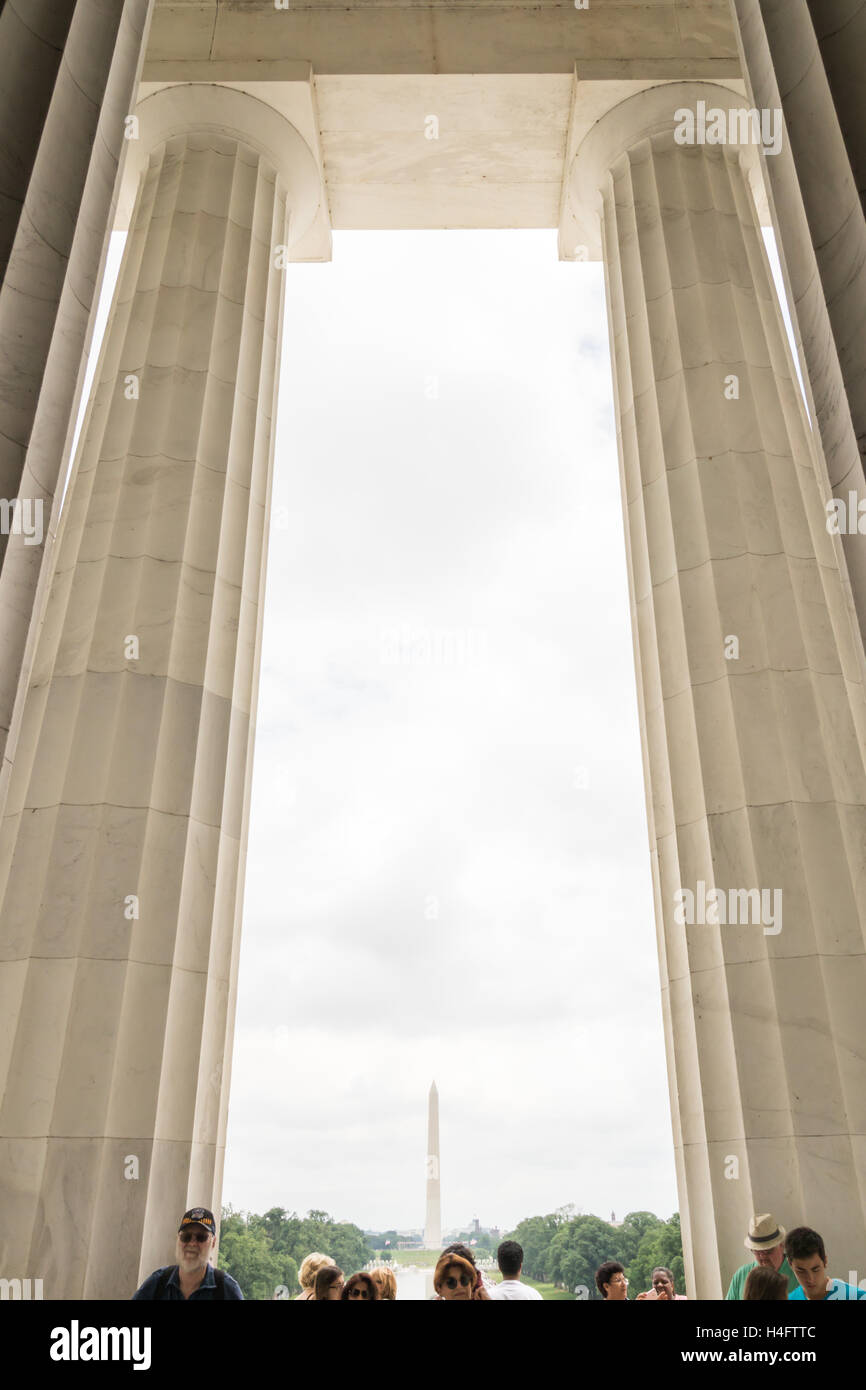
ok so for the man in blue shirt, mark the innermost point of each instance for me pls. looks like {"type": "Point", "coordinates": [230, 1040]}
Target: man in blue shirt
{"type": "Point", "coordinates": [193, 1276]}
{"type": "Point", "coordinates": [807, 1257]}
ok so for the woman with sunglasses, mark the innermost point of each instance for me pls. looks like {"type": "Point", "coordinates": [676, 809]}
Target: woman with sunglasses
{"type": "Point", "coordinates": [465, 1251]}
{"type": "Point", "coordinates": [360, 1288]}
{"type": "Point", "coordinates": [457, 1279]}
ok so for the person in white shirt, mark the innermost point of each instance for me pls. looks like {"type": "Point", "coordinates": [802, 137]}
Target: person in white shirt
{"type": "Point", "coordinates": [509, 1257]}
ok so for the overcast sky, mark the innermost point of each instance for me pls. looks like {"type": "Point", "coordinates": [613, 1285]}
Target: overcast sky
{"type": "Point", "coordinates": [448, 872]}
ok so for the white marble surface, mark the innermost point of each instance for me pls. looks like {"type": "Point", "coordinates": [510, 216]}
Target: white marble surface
{"type": "Point", "coordinates": [755, 766]}
{"type": "Point", "coordinates": [820, 226]}
{"type": "Point", "coordinates": [128, 803]}
{"type": "Point", "coordinates": [48, 294]}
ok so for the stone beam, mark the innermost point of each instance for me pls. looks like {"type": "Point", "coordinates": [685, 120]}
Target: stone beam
{"type": "Point", "coordinates": [238, 40]}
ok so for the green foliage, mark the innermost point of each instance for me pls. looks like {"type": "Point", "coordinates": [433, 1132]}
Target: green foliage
{"type": "Point", "coordinates": [578, 1249]}
{"type": "Point", "coordinates": [265, 1252]}
{"type": "Point", "coordinates": [632, 1231]}
{"type": "Point", "coordinates": [535, 1234]}
{"type": "Point", "coordinates": [246, 1253]}
{"type": "Point", "coordinates": [661, 1245]}
{"type": "Point", "coordinates": [566, 1250]}
{"type": "Point", "coordinates": [561, 1250]}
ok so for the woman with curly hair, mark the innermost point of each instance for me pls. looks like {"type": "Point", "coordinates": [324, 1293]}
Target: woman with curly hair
{"type": "Point", "coordinates": [307, 1275]}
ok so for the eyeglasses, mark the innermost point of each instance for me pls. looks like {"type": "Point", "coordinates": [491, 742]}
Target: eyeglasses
{"type": "Point", "coordinates": [198, 1237]}
{"type": "Point", "coordinates": [452, 1283]}
{"type": "Point", "coordinates": [359, 1292]}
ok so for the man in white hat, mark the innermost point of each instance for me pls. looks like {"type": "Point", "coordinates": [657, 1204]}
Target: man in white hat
{"type": "Point", "coordinates": [767, 1239]}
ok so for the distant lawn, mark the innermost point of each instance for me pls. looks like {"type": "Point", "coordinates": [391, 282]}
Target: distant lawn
{"type": "Point", "coordinates": [550, 1291]}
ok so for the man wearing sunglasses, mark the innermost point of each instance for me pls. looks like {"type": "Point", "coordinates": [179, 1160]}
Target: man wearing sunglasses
{"type": "Point", "coordinates": [193, 1276]}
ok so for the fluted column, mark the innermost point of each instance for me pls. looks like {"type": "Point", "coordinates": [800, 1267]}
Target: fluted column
{"type": "Point", "coordinates": [69, 70]}
{"type": "Point", "coordinates": [122, 847]}
{"type": "Point", "coordinates": [750, 696]}
{"type": "Point", "coordinates": [815, 79]}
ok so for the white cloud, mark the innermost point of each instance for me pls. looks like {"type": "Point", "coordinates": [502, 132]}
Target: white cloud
{"type": "Point", "coordinates": [475, 520]}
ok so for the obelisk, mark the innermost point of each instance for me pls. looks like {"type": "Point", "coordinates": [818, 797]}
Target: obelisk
{"type": "Point", "coordinates": [433, 1223]}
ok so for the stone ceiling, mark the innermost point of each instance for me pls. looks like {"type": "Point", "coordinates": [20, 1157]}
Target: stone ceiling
{"type": "Point", "coordinates": [508, 83]}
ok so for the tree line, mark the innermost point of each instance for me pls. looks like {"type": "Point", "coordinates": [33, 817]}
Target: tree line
{"type": "Point", "coordinates": [264, 1253]}
{"type": "Point", "coordinates": [565, 1248]}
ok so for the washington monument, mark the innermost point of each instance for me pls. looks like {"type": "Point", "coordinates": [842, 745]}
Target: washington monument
{"type": "Point", "coordinates": [433, 1222]}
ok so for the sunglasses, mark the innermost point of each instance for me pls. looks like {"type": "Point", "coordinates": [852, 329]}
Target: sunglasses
{"type": "Point", "coordinates": [200, 1239]}
{"type": "Point", "coordinates": [358, 1292]}
{"type": "Point", "coordinates": [452, 1283]}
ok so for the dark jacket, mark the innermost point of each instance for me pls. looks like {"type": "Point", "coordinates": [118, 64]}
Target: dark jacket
{"type": "Point", "coordinates": [157, 1287]}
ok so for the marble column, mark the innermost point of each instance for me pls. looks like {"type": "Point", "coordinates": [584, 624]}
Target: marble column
{"type": "Point", "coordinates": [122, 846]}
{"type": "Point", "coordinates": [750, 696]}
{"type": "Point", "coordinates": [805, 60]}
{"type": "Point", "coordinates": [69, 70]}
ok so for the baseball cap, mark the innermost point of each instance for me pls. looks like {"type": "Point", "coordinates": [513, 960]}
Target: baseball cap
{"type": "Point", "coordinates": [198, 1216]}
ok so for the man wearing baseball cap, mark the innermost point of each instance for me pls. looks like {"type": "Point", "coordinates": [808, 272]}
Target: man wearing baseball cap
{"type": "Point", "coordinates": [193, 1276]}
{"type": "Point", "coordinates": [766, 1238]}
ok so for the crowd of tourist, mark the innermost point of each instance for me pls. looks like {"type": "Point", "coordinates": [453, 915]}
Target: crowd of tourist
{"type": "Point", "coordinates": [783, 1265]}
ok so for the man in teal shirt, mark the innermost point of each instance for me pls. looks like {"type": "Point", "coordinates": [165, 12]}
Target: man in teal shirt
{"type": "Point", "coordinates": [766, 1238]}
{"type": "Point", "coordinates": [805, 1250]}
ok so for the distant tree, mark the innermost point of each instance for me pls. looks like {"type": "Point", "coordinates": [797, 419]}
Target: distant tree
{"type": "Point", "coordinates": [535, 1234]}
{"type": "Point", "coordinates": [566, 1249]}
{"type": "Point", "coordinates": [578, 1249]}
{"type": "Point", "coordinates": [661, 1245]}
{"type": "Point", "coordinates": [246, 1253]}
{"type": "Point", "coordinates": [632, 1231]}
{"type": "Point", "coordinates": [269, 1249]}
